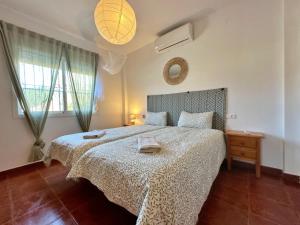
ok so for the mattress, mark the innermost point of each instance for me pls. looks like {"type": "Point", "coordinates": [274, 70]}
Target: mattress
{"type": "Point", "coordinates": [68, 149]}
{"type": "Point", "coordinates": [168, 187]}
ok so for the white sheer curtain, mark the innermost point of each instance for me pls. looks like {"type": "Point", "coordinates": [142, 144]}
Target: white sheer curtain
{"type": "Point", "coordinates": [82, 71]}
{"type": "Point", "coordinates": [38, 58]}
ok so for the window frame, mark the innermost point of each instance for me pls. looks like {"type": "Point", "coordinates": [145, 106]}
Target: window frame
{"type": "Point", "coordinates": [53, 114]}
{"type": "Point", "coordinates": [17, 113]}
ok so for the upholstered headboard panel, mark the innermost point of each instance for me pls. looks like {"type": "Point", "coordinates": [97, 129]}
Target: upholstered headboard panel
{"type": "Point", "coordinates": [194, 101]}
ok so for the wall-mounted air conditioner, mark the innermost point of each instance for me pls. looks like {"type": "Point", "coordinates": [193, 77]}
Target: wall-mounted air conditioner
{"type": "Point", "coordinates": [178, 37]}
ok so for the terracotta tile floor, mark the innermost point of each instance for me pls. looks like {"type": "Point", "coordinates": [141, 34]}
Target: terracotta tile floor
{"type": "Point", "coordinates": [41, 196]}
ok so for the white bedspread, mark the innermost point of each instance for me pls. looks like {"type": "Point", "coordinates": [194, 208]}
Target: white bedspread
{"type": "Point", "coordinates": [68, 149]}
{"type": "Point", "coordinates": [167, 188]}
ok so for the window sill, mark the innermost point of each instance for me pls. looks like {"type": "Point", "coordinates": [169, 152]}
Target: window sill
{"type": "Point", "coordinates": [61, 114]}
{"type": "Point", "coordinates": [51, 115]}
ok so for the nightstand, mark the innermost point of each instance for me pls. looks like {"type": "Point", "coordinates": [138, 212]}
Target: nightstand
{"type": "Point", "coordinates": [244, 146]}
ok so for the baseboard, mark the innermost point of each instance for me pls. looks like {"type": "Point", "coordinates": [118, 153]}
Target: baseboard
{"type": "Point", "coordinates": [290, 178]}
{"type": "Point", "coordinates": [265, 170]}
{"type": "Point", "coordinates": [20, 169]}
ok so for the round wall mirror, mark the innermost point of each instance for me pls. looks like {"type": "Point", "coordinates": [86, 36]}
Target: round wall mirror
{"type": "Point", "coordinates": [175, 71]}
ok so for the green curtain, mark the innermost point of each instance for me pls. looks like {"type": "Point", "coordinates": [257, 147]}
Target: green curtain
{"type": "Point", "coordinates": [39, 58]}
{"type": "Point", "coordinates": [82, 71]}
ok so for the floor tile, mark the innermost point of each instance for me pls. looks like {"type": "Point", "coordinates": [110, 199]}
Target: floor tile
{"type": "Point", "coordinates": [65, 219]}
{"type": "Point", "coordinates": [237, 198]}
{"type": "Point", "coordinates": [266, 179]}
{"type": "Point", "coordinates": [88, 214]}
{"type": "Point", "coordinates": [5, 203]}
{"type": "Point", "coordinates": [42, 196]}
{"type": "Point", "coordinates": [242, 173]}
{"type": "Point", "coordinates": [218, 212]}
{"type": "Point", "coordinates": [28, 203]}
{"type": "Point", "coordinates": [275, 212]}
{"type": "Point", "coordinates": [296, 203]}
{"type": "Point", "coordinates": [292, 187]}
{"type": "Point", "coordinates": [237, 183]}
{"type": "Point", "coordinates": [60, 185]}
{"type": "Point", "coordinates": [99, 211]}
{"type": "Point", "coordinates": [44, 215]}
{"type": "Point", "coordinates": [27, 184]}
{"type": "Point", "coordinates": [270, 191]}
{"type": "Point", "coordinates": [3, 186]}
{"type": "Point", "coordinates": [2, 177]}
{"type": "Point", "coordinates": [72, 193]}
{"type": "Point", "coordinates": [5, 209]}
{"type": "Point", "coordinates": [8, 223]}
{"type": "Point", "coordinates": [294, 195]}
{"type": "Point", "coordinates": [258, 220]}
{"type": "Point", "coordinates": [119, 215]}
{"type": "Point", "coordinates": [53, 170]}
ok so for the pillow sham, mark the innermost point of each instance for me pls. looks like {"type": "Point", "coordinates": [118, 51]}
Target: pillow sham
{"type": "Point", "coordinates": [196, 120]}
{"type": "Point", "coordinates": [156, 118]}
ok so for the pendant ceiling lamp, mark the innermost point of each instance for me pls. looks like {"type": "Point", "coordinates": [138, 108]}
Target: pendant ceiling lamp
{"type": "Point", "coordinates": [115, 21]}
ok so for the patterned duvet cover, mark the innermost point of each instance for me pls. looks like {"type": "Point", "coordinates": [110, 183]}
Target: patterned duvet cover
{"type": "Point", "coordinates": [167, 188]}
{"type": "Point", "coordinates": [68, 149]}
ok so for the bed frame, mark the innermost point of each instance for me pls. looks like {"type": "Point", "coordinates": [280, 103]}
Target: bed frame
{"type": "Point", "coordinates": [214, 100]}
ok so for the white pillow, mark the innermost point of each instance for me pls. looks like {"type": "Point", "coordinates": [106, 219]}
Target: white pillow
{"type": "Point", "coordinates": [156, 118]}
{"type": "Point", "coordinates": [196, 120]}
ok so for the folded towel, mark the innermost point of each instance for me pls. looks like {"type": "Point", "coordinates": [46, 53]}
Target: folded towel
{"type": "Point", "coordinates": [97, 135]}
{"type": "Point", "coordinates": [148, 145]}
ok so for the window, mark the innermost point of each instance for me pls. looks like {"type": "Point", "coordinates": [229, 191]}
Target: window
{"type": "Point", "coordinates": [36, 81]}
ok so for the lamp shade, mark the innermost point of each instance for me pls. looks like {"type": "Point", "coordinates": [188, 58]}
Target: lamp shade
{"type": "Point", "coordinates": [132, 118]}
{"type": "Point", "coordinates": [115, 21]}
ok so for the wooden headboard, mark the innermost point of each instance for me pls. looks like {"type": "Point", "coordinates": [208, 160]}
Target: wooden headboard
{"type": "Point", "coordinates": [195, 101]}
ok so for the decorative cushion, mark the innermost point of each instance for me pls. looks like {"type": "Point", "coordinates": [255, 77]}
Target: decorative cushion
{"type": "Point", "coordinates": [156, 118]}
{"type": "Point", "coordinates": [196, 120]}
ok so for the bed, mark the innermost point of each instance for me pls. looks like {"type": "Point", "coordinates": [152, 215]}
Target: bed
{"type": "Point", "coordinates": [171, 186]}
{"type": "Point", "coordinates": [68, 149]}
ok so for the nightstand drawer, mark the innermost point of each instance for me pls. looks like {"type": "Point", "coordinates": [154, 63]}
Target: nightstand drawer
{"type": "Point", "coordinates": [243, 141]}
{"type": "Point", "coordinates": [243, 152]}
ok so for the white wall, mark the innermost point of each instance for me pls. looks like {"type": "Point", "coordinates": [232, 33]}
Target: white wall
{"type": "Point", "coordinates": [16, 138]}
{"type": "Point", "coordinates": [243, 47]}
{"type": "Point", "coordinates": [292, 86]}
{"type": "Point", "coordinates": [239, 47]}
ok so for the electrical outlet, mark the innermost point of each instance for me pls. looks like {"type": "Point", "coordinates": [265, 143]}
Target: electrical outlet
{"type": "Point", "coordinates": [232, 116]}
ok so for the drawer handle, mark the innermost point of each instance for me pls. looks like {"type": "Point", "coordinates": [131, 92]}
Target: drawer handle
{"type": "Point", "coordinates": [242, 153]}
{"type": "Point", "coordinates": [242, 143]}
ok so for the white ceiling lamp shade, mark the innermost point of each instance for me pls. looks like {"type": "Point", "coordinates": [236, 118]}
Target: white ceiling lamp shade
{"type": "Point", "coordinates": [115, 21]}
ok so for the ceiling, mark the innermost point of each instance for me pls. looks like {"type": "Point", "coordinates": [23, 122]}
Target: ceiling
{"type": "Point", "coordinates": [153, 17]}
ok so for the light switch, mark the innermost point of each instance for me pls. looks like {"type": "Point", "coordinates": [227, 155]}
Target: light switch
{"type": "Point", "coordinates": [232, 116]}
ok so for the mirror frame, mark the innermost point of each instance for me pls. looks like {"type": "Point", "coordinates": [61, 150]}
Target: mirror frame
{"type": "Point", "coordinates": [183, 73]}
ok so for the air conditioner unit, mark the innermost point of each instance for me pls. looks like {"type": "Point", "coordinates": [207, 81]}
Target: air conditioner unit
{"type": "Point", "coordinates": [178, 37]}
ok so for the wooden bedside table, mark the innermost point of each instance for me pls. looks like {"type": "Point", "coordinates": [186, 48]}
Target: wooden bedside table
{"type": "Point", "coordinates": [245, 146]}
